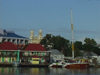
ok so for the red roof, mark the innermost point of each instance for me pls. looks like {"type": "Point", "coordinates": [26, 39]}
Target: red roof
{"type": "Point", "coordinates": [35, 47]}
{"type": "Point", "coordinates": [8, 46]}
{"type": "Point", "coordinates": [20, 46]}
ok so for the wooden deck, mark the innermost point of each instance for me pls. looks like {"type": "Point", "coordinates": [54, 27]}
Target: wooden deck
{"type": "Point", "coordinates": [33, 65]}
{"type": "Point", "coordinates": [23, 65]}
{"type": "Point", "coordinates": [6, 64]}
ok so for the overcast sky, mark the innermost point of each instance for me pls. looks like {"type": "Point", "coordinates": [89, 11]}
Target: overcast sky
{"type": "Point", "coordinates": [52, 16]}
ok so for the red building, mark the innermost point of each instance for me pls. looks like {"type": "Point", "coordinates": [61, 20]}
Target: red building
{"type": "Point", "coordinates": [32, 54]}
{"type": "Point", "coordinates": [35, 54]}
{"type": "Point", "coordinates": [8, 52]}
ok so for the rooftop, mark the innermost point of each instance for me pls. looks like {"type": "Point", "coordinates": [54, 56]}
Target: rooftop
{"type": "Point", "coordinates": [8, 46]}
{"type": "Point", "coordinates": [5, 33]}
{"type": "Point", "coordinates": [55, 52]}
{"type": "Point", "coordinates": [35, 47]}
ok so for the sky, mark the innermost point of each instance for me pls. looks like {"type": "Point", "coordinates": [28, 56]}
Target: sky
{"type": "Point", "coordinates": [52, 16]}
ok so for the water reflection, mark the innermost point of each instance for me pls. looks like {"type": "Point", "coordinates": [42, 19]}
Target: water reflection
{"type": "Point", "coordinates": [63, 71]}
{"type": "Point", "coordinates": [23, 71]}
{"type": "Point", "coordinates": [10, 71]}
{"type": "Point", "coordinates": [47, 71]}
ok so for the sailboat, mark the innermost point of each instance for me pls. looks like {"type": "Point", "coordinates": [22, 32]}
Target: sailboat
{"type": "Point", "coordinates": [75, 63]}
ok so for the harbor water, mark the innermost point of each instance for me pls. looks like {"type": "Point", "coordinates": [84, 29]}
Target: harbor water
{"type": "Point", "coordinates": [47, 71]}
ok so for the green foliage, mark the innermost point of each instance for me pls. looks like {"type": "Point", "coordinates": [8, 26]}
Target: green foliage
{"type": "Point", "coordinates": [78, 47]}
{"type": "Point", "coordinates": [90, 45]}
{"type": "Point", "coordinates": [96, 50]}
{"type": "Point", "coordinates": [90, 41]}
{"type": "Point", "coordinates": [63, 45]}
{"type": "Point", "coordinates": [56, 42]}
{"type": "Point", "coordinates": [47, 41]}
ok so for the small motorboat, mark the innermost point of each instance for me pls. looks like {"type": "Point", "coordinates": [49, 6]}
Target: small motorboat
{"type": "Point", "coordinates": [57, 64]}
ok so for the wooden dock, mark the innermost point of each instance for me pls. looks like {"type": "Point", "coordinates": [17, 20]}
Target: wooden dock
{"type": "Point", "coordinates": [6, 64]}
{"type": "Point", "coordinates": [23, 65]}
{"type": "Point", "coordinates": [33, 65]}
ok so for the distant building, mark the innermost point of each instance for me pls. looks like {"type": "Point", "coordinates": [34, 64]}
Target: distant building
{"type": "Point", "coordinates": [56, 55]}
{"type": "Point", "coordinates": [10, 36]}
{"type": "Point", "coordinates": [35, 39]}
{"type": "Point", "coordinates": [87, 54]}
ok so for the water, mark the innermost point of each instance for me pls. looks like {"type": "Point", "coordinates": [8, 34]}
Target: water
{"type": "Point", "coordinates": [47, 71]}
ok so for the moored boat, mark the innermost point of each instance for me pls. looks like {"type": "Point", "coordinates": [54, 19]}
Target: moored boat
{"type": "Point", "coordinates": [76, 64]}
{"type": "Point", "coordinates": [57, 64]}
{"type": "Point", "coordinates": [73, 63]}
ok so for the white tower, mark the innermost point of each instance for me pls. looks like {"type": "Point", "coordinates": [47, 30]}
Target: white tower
{"type": "Point", "coordinates": [40, 34]}
{"type": "Point", "coordinates": [31, 36]}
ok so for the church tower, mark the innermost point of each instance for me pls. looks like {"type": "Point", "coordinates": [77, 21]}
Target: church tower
{"type": "Point", "coordinates": [35, 39]}
{"type": "Point", "coordinates": [40, 34]}
{"type": "Point", "coordinates": [31, 36]}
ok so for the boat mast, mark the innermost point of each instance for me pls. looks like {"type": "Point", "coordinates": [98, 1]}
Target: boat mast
{"type": "Point", "coordinates": [72, 35]}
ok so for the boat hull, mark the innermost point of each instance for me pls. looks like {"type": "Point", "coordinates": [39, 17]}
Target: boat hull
{"type": "Point", "coordinates": [56, 66]}
{"type": "Point", "coordinates": [77, 66]}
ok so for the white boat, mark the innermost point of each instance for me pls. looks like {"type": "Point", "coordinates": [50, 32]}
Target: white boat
{"type": "Point", "coordinates": [57, 64]}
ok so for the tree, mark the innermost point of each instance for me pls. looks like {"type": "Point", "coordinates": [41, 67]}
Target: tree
{"type": "Point", "coordinates": [78, 45]}
{"type": "Point", "coordinates": [78, 48]}
{"type": "Point", "coordinates": [63, 45]}
{"type": "Point", "coordinates": [90, 45]}
{"type": "Point", "coordinates": [56, 42]}
{"type": "Point", "coordinates": [90, 41]}
{"type": "Point", "coordinates": [46, 41]}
